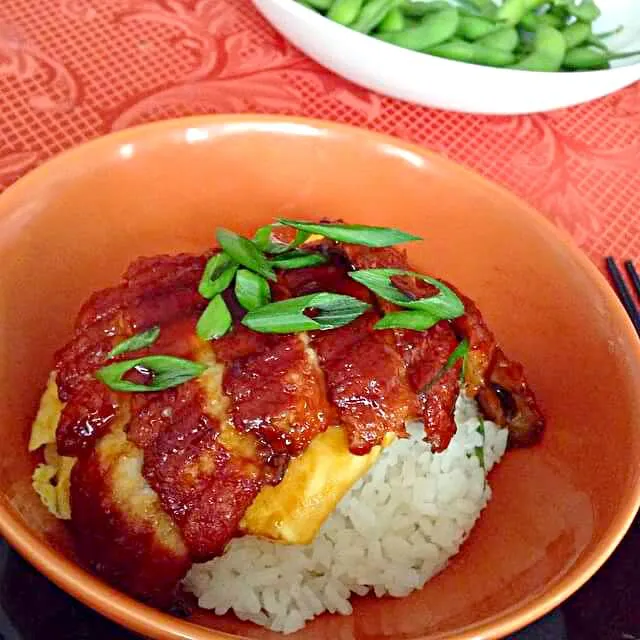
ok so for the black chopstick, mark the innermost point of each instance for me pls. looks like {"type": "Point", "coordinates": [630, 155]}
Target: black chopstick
{"type": "Point", "coordinates": [634, 277]}
{"type": "Point", "coordinates": [623, 293]}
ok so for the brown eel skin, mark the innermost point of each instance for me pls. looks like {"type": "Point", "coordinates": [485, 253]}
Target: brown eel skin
{"type": "Point", "coordinates": [163, 479]}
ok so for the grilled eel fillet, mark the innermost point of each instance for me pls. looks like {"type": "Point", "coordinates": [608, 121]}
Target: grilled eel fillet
{"type": "Point", "coordinates": [269, 438]}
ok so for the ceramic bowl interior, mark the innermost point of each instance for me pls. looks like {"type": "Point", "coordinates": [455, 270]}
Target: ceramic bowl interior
{"type": "Point", "coordinates": [558, 509]}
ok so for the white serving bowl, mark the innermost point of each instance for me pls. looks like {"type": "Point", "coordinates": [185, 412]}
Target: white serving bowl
{"type": "Point", "coordinates": [457, 86]}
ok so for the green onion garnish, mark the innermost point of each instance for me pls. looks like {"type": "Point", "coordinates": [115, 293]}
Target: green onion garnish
{"type": "Point", "coordinates": [416, 320]}
{"type": "Point", "coordinates": [297, 259]}
{"type": "Point", "coordinates": [215, 321]}
{"type": "Point", "coordinates": [334, 310]}
{"type": "Point", "coordinates": [459, 352]}
{"type": "Point", "coordinates": [217, 275]}
{"type": "Point", "coordinates": [264, 241]}
{"type": "Point", "coordinates": [138, 341]}
{"type": "Point", "coordinates": [353, 233]}
{"type": "Point", "coordinates": [262, 238]}
{"type": "Point", "coordinates": [445, 305]}
{"type": "Point", "coordinates": [252, 290]}
{"type": "Point", "coordinates": [244, 252]}
{"type": "Point", "coordinates": [165, 372]}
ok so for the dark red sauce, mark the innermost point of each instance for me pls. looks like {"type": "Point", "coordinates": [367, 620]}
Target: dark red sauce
{"type": "Point", "coordinates": [85, 418]}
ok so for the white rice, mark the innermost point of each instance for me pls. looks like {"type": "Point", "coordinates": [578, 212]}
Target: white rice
{"type": "Point", "coordinates": [392, 532]}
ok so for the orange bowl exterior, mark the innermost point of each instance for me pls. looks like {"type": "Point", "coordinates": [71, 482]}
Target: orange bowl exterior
{"type": "Point", "coordinates": [558, 510]}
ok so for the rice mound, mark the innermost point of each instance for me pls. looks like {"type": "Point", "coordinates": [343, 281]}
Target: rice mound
{"type": "Point", "coordinates": [395, 529]}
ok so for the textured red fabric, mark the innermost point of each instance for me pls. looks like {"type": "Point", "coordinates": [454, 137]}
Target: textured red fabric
{"type": "Point", "coordinates": [71, 70]}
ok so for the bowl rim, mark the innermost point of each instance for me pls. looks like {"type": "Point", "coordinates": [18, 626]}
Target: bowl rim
{"type": "Point", "coordinates": [127, 611]}
{"type": "Point", "coordinates": [311, 17]}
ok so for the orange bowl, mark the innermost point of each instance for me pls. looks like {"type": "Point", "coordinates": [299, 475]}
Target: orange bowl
{"type": "Point", "coordinates": [558, 510]}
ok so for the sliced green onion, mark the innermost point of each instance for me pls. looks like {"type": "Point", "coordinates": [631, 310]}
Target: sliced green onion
{"type": "Point", "coordinates": [353, 233]}
{"type": "Point", "coordinates": [252, 290]}
{"type": "Point", "coordinates": [445, 305]}
{"type": "Point", "coordinates": [262, 237]}
{"type": "Point", "coordinates": [267, 244]}
{"type": "Point", "coordinates": [165, 371]}
{"type": "Point", "coordinates": [217, 275]}
{"type": "Point", "coordinates": [287, 316]}
{"type": "Point", "coordinates": [459, 352]}
{"type": "Point", "coordinates": [138, 341]}
{"type": "Point", "coordinates": [215, 321]}
{"type": "Point", "coordinates": [416, 320]}
{"type": "Point", "coordinates": [245, 253]}
{"type": "Point", "coordinates": [298, 259]}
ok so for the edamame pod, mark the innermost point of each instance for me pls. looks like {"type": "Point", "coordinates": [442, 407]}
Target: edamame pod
{"type": "Point", "coordinates": [531, 21]}
{"type": "Point", "coordinates": [433, 29]}
{"type": "Point", "coordinates": [576, 34]}
{"type": "Point", "coordinates": [372, 15]}
{"type": "Point", "coordinates": [505, 39]}
{"type": "Point", "coordinates": [474, 27]}
{"type": "Point", "coordinates": [345, 11]}
{"type": "Point", "coordinates": [586, 10]}
{"type": "Point", "coordinates": [421, 8]}
{"type": "Point", "coordinates": [512, 11]}
{"type": "Point", "coordinates": [548, 53]}
{"type": "Point", "coordinates": [472, 52]}
{"type": "Point", "coordinates": [589, 59]}
{"type": "Point", "coordinates": [486, 7]}
{"type": "Point", "coordinates": [394, 21]}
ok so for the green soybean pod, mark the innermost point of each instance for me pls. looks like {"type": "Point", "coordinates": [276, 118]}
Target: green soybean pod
{"type": "Point", "coordinates": [548, 53]}
{"type": "Point", "coordinates": [587, 10]}
{"type": "Point", "coordinates": [488, 56]}
{"type": "Point", "coordinates": [345, 11]}
{"type": "Point", "coordinates": [529, 21]}
{"type": "Point", "coordinates": [320, 5]}
{"type": "Point", "coordinates": [576, 34]}
{"type": "Point", "coordinates": [554, 18]}
{"type": "Point", "coordinates": [456, 49]}
{"type": "Point", "coordinates": [474, 27]}
{"type": "Point", "coordinates": [558, 14]}
{"type": "Point", "coordinates": [486, 7]}
{"type": "Point", "coordinates": [473, 53]}
{"type": "Point", "coordinates": [505, 39]}
{"type": "Point", "coordinates": [590, 59]}
{"type": "Point", "coordinates": [372, 15]}
{"type": "Point", "coordinates": [421, 8]}
{"type": "Point", "coordinates": [394, 21]}
{"type": "Point", "coordinates": [482, 8]}
{"type": "Point", "coordinates": [532, 20]}
{"type": "Point", "coordinates": [512, 11]}
{"type": "Point", "coordinates": [433, 29]}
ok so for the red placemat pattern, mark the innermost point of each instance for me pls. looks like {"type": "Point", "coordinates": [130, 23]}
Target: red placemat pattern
{"type": "Point", "coordinates": [71, 70]}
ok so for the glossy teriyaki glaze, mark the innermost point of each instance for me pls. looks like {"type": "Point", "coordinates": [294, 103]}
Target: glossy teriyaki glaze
{"type": "Point", "coordinates": [163, 478]}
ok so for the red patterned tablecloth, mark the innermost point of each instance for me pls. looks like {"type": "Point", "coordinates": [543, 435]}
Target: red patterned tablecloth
{"type": "Point", "coordinates": [71, 70]}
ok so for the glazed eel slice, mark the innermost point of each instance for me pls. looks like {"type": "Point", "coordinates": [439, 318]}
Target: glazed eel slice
{"type": "Point", "coordinates": [163, 479]}
{"type": "Point", "coordinates": [498, 383]}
